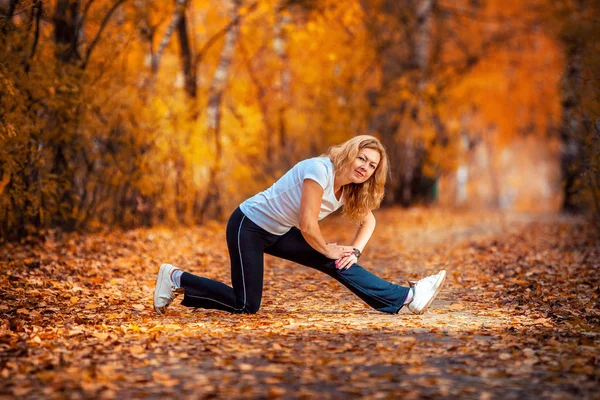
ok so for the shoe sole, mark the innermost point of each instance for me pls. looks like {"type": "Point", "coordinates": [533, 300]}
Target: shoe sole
{"type": "Point", "coordinates": [159, 280]}
{"type": "Point", "coordinates": [439, 283]}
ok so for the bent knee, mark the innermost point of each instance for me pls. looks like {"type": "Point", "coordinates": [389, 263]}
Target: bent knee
{"type": "Point", "coordinates": [251, 308]}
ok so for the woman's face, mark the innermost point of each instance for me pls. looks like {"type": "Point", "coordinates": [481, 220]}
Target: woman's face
{"type": "Point", "coordinates": [364, 165]}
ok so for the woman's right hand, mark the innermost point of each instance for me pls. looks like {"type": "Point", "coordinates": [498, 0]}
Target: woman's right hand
{"type": "Point", "coordinates": [336, 252]}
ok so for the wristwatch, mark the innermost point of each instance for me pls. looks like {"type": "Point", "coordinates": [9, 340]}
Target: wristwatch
{"type": "Point", "coordinates": [357, 252]}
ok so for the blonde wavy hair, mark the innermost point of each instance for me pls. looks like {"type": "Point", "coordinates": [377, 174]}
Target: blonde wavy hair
{"type": "Point", "coordinates": [359, 199]}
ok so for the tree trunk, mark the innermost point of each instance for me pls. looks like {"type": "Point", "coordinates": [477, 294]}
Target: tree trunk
{"type": "Point", "coordinates": [36, 16]}
{"type": "Point", "coordinates": [490, 145]}
{"type": "Point", "coordinates": [422, 35]}
{"type": "Point", "coordinates": [177, 15]}
{"type": "Point", "coordinates": [283, 92]}
{"type": "Point", "coordinates": [10, 11]}
{"type": "Point", "coordinates": [420, 50]}
{"type": "Point", "coordinates": [189, 72]}
{"type": "Point", "coordinates": [66, 20]}
{"type": "Point", "coordinates": [571, 151]}
{"type": "Point", "coordinates": [409, 160]}
{"type": "Point", "coordinates": [217, 88]}
{"type": "Point", "coordinates": [384, 21]}
{"type": "Point", "coordinates": [12, 5]}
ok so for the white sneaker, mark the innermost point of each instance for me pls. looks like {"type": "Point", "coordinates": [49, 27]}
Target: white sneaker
{"type": "Point", "coordinates": [425, 291]}
{"type": "Point", "coordinates": [165, 291]}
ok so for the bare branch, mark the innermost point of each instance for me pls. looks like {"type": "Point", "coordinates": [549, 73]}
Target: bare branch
{"type": "Point", "coordinates": [99, 33]}
{"type": "Point", "coordinates": [337, 21]}
{"type": "Point", "coordinates": [200, 55]}
{"type": "Point", "coordinates": [483, 18]}
{"type": "Point", "coordinates": [86, 9]}
{"type": "Point", "coordinates": [84, 14]}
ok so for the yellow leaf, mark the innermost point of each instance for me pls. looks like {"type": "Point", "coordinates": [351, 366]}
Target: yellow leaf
{"type": "Point", "coordinates": [245, 367]}
{"type": "Point", "coordinates": [136, 349]}
{"type": "Point", "coordinates": [101, 335]}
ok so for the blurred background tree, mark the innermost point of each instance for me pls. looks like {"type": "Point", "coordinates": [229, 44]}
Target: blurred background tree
{"type": "Point", "coordinates": [577, 25]}
{"type": "Point", "coordinates": [128, 112]}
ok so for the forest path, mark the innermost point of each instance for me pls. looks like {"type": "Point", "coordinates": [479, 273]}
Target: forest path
{"type": "Point", "coordinates": [518, 316]}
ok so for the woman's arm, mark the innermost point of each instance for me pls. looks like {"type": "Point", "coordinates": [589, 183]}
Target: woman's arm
{"type": "Point", "coordinates": [310, 206]}
{"type": "Point", "coordinates": [364, 233]}
{"type": "Point", "coordinates": [360, 241]}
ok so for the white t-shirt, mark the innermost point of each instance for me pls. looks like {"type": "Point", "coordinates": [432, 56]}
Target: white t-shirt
{"type": "Point", "coordinates": [277, 209]}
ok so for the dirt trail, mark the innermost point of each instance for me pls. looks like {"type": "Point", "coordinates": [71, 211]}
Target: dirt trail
{"type": "Point", "coordinates": [518, 317]}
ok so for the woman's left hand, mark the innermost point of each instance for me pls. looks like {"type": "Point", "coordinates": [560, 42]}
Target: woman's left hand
{"type": "Point", "coordinates": [343, 263]}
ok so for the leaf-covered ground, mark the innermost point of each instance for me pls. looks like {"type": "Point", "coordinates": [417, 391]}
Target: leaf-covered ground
{"type": "Point", "coordinates": [519, 316]}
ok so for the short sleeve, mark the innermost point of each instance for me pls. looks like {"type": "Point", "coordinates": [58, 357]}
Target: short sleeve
{"type": "Point", "coordinates": [317, 172]}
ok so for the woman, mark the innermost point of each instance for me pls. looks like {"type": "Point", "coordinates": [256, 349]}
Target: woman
{"type": "Point", "coordinates": [284, 221]}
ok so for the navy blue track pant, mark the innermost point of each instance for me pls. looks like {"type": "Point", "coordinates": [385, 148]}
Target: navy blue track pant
{"type": "Point", "coordinates": [248, 243]}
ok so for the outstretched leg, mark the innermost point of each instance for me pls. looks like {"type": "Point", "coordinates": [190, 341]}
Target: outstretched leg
{"type": "Point", "coordinates": [376, 292]}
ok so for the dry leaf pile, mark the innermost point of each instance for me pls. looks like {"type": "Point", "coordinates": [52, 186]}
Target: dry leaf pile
{"type": "Point", "coordinates": [519, 316]}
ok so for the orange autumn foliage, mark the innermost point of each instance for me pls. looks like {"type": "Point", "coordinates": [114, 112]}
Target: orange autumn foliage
{"type": "Point", "coordinates": [91, 135]}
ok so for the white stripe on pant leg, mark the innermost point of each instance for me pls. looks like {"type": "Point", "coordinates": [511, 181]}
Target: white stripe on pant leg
{"type": "Point", "coordinates": [243, 280]}
{"type": "Point", "coordinates": [241, 262]}
{"type": "Point", "coordinates": [216, 301]}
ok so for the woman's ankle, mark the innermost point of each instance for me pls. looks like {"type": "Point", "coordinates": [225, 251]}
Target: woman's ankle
{"type": "Point", "coordinates": [176, 277]}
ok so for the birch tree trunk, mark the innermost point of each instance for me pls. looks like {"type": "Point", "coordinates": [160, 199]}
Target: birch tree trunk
{"type": "Point", "coordinates": [283, 86]}
{"type": "Point", "coordinates": [177, 16]}
{"type": "Point", "coordinates": [215, 98]}
{"type": "Point", "coordinates": [422, 35]}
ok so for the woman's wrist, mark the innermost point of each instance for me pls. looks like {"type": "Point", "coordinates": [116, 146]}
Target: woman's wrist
{"type": "Point", "coordinates": [329, 251]}
{"type": "Point", "coordinates": [357, 252]}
